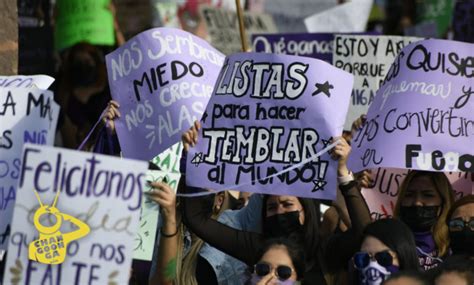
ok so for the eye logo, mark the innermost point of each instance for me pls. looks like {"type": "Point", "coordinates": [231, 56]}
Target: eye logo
{"type": "Point", "coordinates": [51, 246]}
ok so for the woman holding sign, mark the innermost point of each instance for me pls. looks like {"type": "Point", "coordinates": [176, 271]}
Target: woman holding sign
{"type": "Point", "coordinates": [181, 257]}
{"type": "Point", "coordinates": [282, 216]}
{"type": "Point", "coordinates": [423, 203]}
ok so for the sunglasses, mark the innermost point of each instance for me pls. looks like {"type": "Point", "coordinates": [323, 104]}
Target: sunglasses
{"type": "Point", "coordinates": [362, 259]}
{"type": "Point", "coordinates": [283, 272]}
{"type": "Point", "coordinates": [459, 224]}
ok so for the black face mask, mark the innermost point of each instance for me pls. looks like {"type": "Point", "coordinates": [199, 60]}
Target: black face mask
{"type": "Point", "coordinates": [462, 242]}
{"type": "Point", "coordinates": [83, 74]}
{"type": "Point", "coordinates": [419, 219]}
{"type": "Point", "coordinates": [282, 225]}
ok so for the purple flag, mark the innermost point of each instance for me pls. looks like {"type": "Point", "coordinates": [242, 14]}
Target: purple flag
{"type": "Point", "coordinates": [268, 125]}
{"type": "Point", "coordinates": [163, 79]}
{"type": "Point", "coordinates": [315, 45]}
{"type": "Point", "coordinates": [422, 116]}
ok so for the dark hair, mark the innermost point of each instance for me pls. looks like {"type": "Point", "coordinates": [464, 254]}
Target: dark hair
{"type": "Point", "coordinates": [463, 265]}
{"type": "Point", "coordinates": [310, 238]}
{"type": "Point", "coordinates": [72, 71]}
{"type": "Point", "coordinates": [295, 251]}
{"type": "Point", "coordinates": [398, 237]}
{"type": "Point", "coordinates": [414, 275]}
{"type": "Point", "coordinates": [461, 202]}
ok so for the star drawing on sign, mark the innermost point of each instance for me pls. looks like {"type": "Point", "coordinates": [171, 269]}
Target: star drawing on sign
{"type": "Point", "coordinates": [323, 88]}
{"type": "Point", "coordinates": [318, 185]}
{"type": "Point", "coordinates": [204, 117]}
{"type": "Point", "coordinates": [197, 159]}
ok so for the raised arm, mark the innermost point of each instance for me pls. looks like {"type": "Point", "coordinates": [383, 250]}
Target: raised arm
{"type": "Point", "coordinates": [249, 217]}
{"type": "Point", "coordinates": [242, 245]}
{"type": "Point", "coordinates": [340, 247]}
{"type": "Point", "coordinates": [357, 208]}
{"type": "Point", "coordinates": [165, 272]}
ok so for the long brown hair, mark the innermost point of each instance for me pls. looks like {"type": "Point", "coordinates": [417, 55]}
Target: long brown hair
{"type": "Point", "coordinates": [443, 187]}
{"type": "Point", "coordinates": [186, 270]}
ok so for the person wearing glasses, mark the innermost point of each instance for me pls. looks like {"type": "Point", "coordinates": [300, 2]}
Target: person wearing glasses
{"type": "Point", "coordinates": [461, 227]}
{"type": "Point", "coordinates": [281, 262]}
{"type": "Point", "coordinates": [282, 216]}
{"type": "Point", "coordinates": [387, 247]}
{"type": "Point", "coordinates": [423, 203]}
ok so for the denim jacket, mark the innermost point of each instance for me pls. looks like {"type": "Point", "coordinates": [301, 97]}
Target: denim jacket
{"type": "Point", "coordinates": [228, 270]}
{"type": "Point", "coordinates": [231, 271]}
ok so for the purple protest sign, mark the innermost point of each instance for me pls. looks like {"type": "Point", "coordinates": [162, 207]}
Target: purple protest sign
{"type": "Point", "coordinates": [163, 79]}
{"type": "Point", "coordinates": [422, 116]}
{"type": "Point", "coordinates": [268, 125]}
{"type": "Point", "coordinates": [315, 45]}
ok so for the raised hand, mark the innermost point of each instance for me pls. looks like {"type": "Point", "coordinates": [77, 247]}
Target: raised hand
{"type": "Point", "coordinates": [190, 137]}
{"type": "Point", "coordinates": [112, 112]}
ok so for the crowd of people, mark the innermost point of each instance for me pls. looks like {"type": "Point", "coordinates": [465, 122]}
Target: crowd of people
{"type": "Point", "coordinates": [229, 238]}
{"type": "Point", "coordinates": [280, 239]}
{"type": "Point", "coordinates": [283, 239]}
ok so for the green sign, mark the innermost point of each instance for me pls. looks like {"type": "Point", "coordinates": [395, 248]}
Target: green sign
{"type": "Point", "coordinates": [168, 162]}
{"type": "Point", "coordinates": [438, 11]}
{"type": "Point", "coordinates": [83, 21]}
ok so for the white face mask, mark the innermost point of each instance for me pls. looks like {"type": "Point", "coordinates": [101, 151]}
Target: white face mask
{"type": "Point", "coordinates": [373, 274]}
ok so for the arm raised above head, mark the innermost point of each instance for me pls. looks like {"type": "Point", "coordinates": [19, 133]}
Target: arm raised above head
{"type": "Point", "coordinates": [242, 245]}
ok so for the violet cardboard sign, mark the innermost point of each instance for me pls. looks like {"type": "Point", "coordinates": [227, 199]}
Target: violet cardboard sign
{"type": "Point", "coordinates": [162, 79]}
{"type": "Point", "coordinates": [422, 116]}
{"type": "Point", "coordinates": [268, 126]}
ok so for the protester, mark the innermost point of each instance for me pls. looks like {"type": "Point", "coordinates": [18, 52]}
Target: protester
{"type": "Point", "coordinates": [181, 258]}
{"type": "Point", "coordinates": [336, 218]}
{"type": "Point", "coordinates": [461, 226]}
{"type": "Point", "coordinates": [82, 92]}
{"type": "Point", "coordinates": [281, 262]}
{"type": "Point", "coordinates": [423, 203]}
{"type": "Point", "coordinates": [274, 239]}
{"type": "Point", "coordinates": [387, 247]}
{"type": "Point", "coordinates": [225, 268]}
{"type": "Point", "coordinates": [282, 216]}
